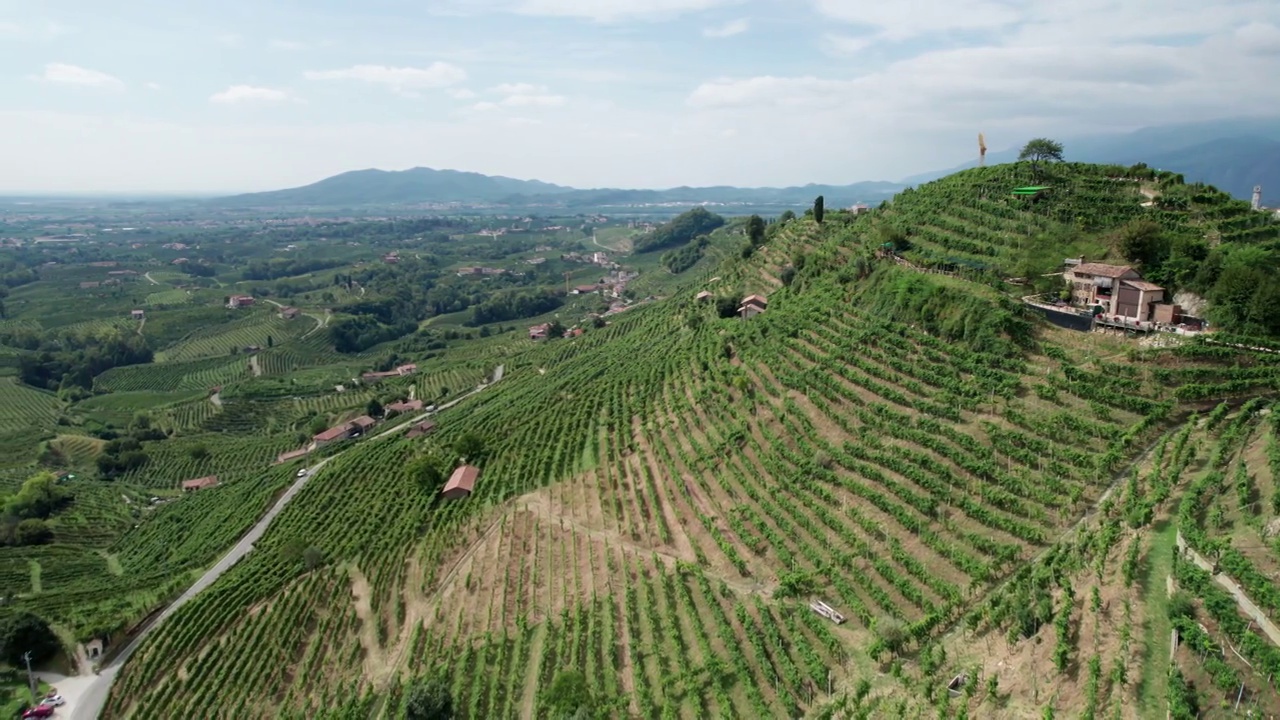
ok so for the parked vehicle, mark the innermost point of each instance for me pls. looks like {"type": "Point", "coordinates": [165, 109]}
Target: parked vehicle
{"type": "Point", "coordinates": [302, 472]}
{"type": "Point", "coordinates": [39, 711]}
{"type": "Point", "coordinates": [54, 700]}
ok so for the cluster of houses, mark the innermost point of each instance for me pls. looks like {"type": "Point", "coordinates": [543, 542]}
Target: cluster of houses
{"type": "Point", "coordinates": [240, 301]}
{"type": "Point", "coordinates": [543, 331]}
{"type": "Point", "coordinates": [750, 306]}
{"type": "Point", "coordinates": [473, 271]}
{"type": "Point", "coordinates": [349, 429]}
{"type": "Point", "coordinates": [289, 313]}
{"type": "Point", "coordinates": [594, 258]}
{"type": "Point", "coordinates": [399, 371]}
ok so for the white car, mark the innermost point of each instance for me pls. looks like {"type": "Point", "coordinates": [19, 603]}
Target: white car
{"type": "Point", "coordinates": [302, 472]}
{"type": "Point", "coordinates": [54, 700]}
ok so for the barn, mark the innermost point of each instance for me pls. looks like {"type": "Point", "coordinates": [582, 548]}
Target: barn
{"type": "Point", "coordinates": [461, 482]}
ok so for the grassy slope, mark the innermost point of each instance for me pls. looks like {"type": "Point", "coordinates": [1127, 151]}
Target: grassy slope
{"type": "Point", "coordinates": [742, 449]}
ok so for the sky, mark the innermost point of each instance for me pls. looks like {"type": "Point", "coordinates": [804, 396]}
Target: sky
{"type": "Point", "coordinates": [244, 95]}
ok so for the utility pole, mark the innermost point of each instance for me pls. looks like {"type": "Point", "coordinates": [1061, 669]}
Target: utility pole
{"type": "Point", "coordinates": [31, 680]}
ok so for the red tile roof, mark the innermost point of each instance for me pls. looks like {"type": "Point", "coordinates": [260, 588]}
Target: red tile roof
{"type": "Point", "coordinates": [760, 300]}
{"type": "Point", "coordinates": [1103, 270]}
{"type": "Point", "coordinates": [406, 406]}
{"type": "Point", "coordinates": [333, 433]}
{"type": "Point", "coordinates": [1142, 285]}
{"type": "Point", "coordinates": [463, 478]}
{"type": "Point", "coordinates": [200, 483]}
{"type": "Point", "coordinates": [364, 422]}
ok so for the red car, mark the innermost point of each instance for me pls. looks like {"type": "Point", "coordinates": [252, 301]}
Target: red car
{"type": "Point", "coordinates": [39, 711]}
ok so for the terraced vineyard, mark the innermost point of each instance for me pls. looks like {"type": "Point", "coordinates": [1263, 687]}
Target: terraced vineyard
{"type": "Point", "coordinates": [217, 341]}
{"type": "Point", "coordinates": [660, 503]}
{"type": "Point", "coordinates": [991, 503]}
{"type": "Point", "coordinates": [971, 220]}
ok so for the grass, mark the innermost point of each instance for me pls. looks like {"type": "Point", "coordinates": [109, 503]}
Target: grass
{"type": "Point", "coordinates": [1153, 687]}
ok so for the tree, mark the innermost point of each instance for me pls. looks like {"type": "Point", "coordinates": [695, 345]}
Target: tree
{"type": "Point", "coordinates": [568, 696]}
{"type": "Point", "coordinates": [32, 531]}
{"type": "Point", "coordinates": [429, 700]}
{"type": "Point", "coordinates": [198, 452]}
{"type": "Point", "coordinates": [312, 558]}
{"type": "Point", "coordinates": [26, 632]}
{"type": "Point", "coordinates": [755, 230]}
{"type": "Point", "coordinates": [787, 275]}
{"type": "Point", "coordinates": [1041, 150]}
{"type": "Point", "coordinates": [1143, 242]}
{"type": "Point", "coordinates": [270, 341]}
{"type": "Point", "coordinates": [818, 209]}
{"type": "Point", "coordinates": [470, 446]}
{"type": "Point", "coordinates": [373, 408]}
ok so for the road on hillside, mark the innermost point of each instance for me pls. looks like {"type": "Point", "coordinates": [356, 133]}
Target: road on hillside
{"type": "Point", "coordinates": [87, 702]}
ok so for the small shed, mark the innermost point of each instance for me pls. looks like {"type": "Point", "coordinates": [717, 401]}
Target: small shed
{"type": "Point", "coordinates": [426, 427]}
{"type": "Point", "coordinates": [753, 305]}
{"type": "Point", "coordinates": [363, 423]}
{"type": "Point", "coordinates": [461, 482]}
{"type": "Point", "coordinates": [702, 296]}
{"type": "Point", "coordinates": [137, 314]}
{"type": "Point", "coordinates": [200, 483]}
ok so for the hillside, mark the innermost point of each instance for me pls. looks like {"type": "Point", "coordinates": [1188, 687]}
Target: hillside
{"type": "Point", "coordinates": [979, 495]}
{"type": "Point", "coordinates": [427, 186]}
{"type": "Point", "coordinates": [1233, 155]}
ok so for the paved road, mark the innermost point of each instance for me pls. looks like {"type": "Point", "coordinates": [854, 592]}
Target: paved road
{"type": "Point", "coordinates": [85, 700]}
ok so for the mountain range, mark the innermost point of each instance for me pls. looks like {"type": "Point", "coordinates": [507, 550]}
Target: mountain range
{"type": "Point", "coordinates": [1234, 155]}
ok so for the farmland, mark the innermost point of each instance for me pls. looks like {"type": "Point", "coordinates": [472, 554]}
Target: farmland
{"type": "Point", "coordinates": [983, 497]}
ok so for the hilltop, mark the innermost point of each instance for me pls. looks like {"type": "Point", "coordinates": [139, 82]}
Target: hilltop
{"type": "Point", "coordinates": [984, 497]}
{"type": "Point", "coordinates": [1233, 155]}
{"type": "Point", "coordinates": [425, 186]}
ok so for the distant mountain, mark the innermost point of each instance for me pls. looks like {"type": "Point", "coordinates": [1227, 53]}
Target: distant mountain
{"type": "Point", "coordinates": [384, 187]}
{"type": "Point", "coordinates": [1233, 155]}
{"type": "Point", "coordinates": [425, 185]}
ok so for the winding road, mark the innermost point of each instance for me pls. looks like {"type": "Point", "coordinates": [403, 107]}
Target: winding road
{"type": "Point", "coordinates": [86, 698]}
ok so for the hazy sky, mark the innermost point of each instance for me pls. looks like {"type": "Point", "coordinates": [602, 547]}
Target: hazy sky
{"type": "Point", "coordinates": [197, 96]}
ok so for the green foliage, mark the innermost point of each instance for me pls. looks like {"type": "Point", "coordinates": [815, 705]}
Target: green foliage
{"type": "Point", "coordinates": [429, 699]}
{"type": "Point", "coordinates": [796, 584]}
{"type": "Point", "coordinates": [681, 259]}
{"type": "Point", "coordinates": [40, 497]}
{"type": "Point", "coordinates": [24, 632]}
{"type": "Point", "coordinates": [568, 696]}
{"type": "Point", "coordinates": [819, 209]}
{"type": "Point", "coordinates": [1041, 150]}
{"type": "Point", "coordinates": [680, 230]}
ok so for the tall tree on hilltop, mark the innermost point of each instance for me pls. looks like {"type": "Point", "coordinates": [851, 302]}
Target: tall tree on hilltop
{"type": "Point", "coordinates": [1041, 150]}
{"type": "Point", "coordinates": [755, 230]}
{"type": "Point", "coordinates": [818, 209]}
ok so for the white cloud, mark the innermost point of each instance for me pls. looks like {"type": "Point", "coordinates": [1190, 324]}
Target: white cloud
{"type": "Point", "coordinates": [153, 86]}
{"type": "Point", "coordinates": [729, 29]}
{"type": "Point", "coordinates": [65, 74]}
{"type": "Point", "coordinates": [286, 45]}
{"type": "Point", "coordinates": [485, 106]}
{"type": "Point", "coordinates": [844, 45]}
{"type": "Point", "coordinates": [607, 11]}
{"type": "Point", "coordinates": [248, 93]}
{"type": "Point", "coordinates": [522, 95]}
{"type": "Point", "coordinates": [230, 39]}
{"type": "Point", "coordinates": [461, 93]}
{"type": "Point", "coordinates": [399, 79]}
{"type": "Point", "coordinates": [9, 28]}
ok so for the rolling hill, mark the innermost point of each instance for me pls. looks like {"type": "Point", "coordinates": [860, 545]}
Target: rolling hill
{"type": "Point", "coordinates": [427, 186]}
{"type": "Point", "coordinates": [991, 504]}
{"type": "Point", "coordinates": [1233, 155]}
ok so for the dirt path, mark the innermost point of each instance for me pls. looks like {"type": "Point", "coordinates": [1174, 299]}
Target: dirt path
{"type": "Point", "coordinates": [529, 696]}
{"type": "Point", "coordinates": [150, 279]}
{"type": "Point", "coordinates": [142, 324]}
{"type": "Point", "coordinates": [1246, 605]}
{"type": "Point", "coordinates": [216, 399]}
{"type": "Point", "coordinates": [254, 366]}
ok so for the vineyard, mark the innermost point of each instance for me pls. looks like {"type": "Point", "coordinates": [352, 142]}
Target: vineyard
{"type": "Point", "coordinates": [994, 506]}
{"type": "Point", "coordinates": [663, 522]}
{"type": "Point", "coordinates": [971, 220]}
